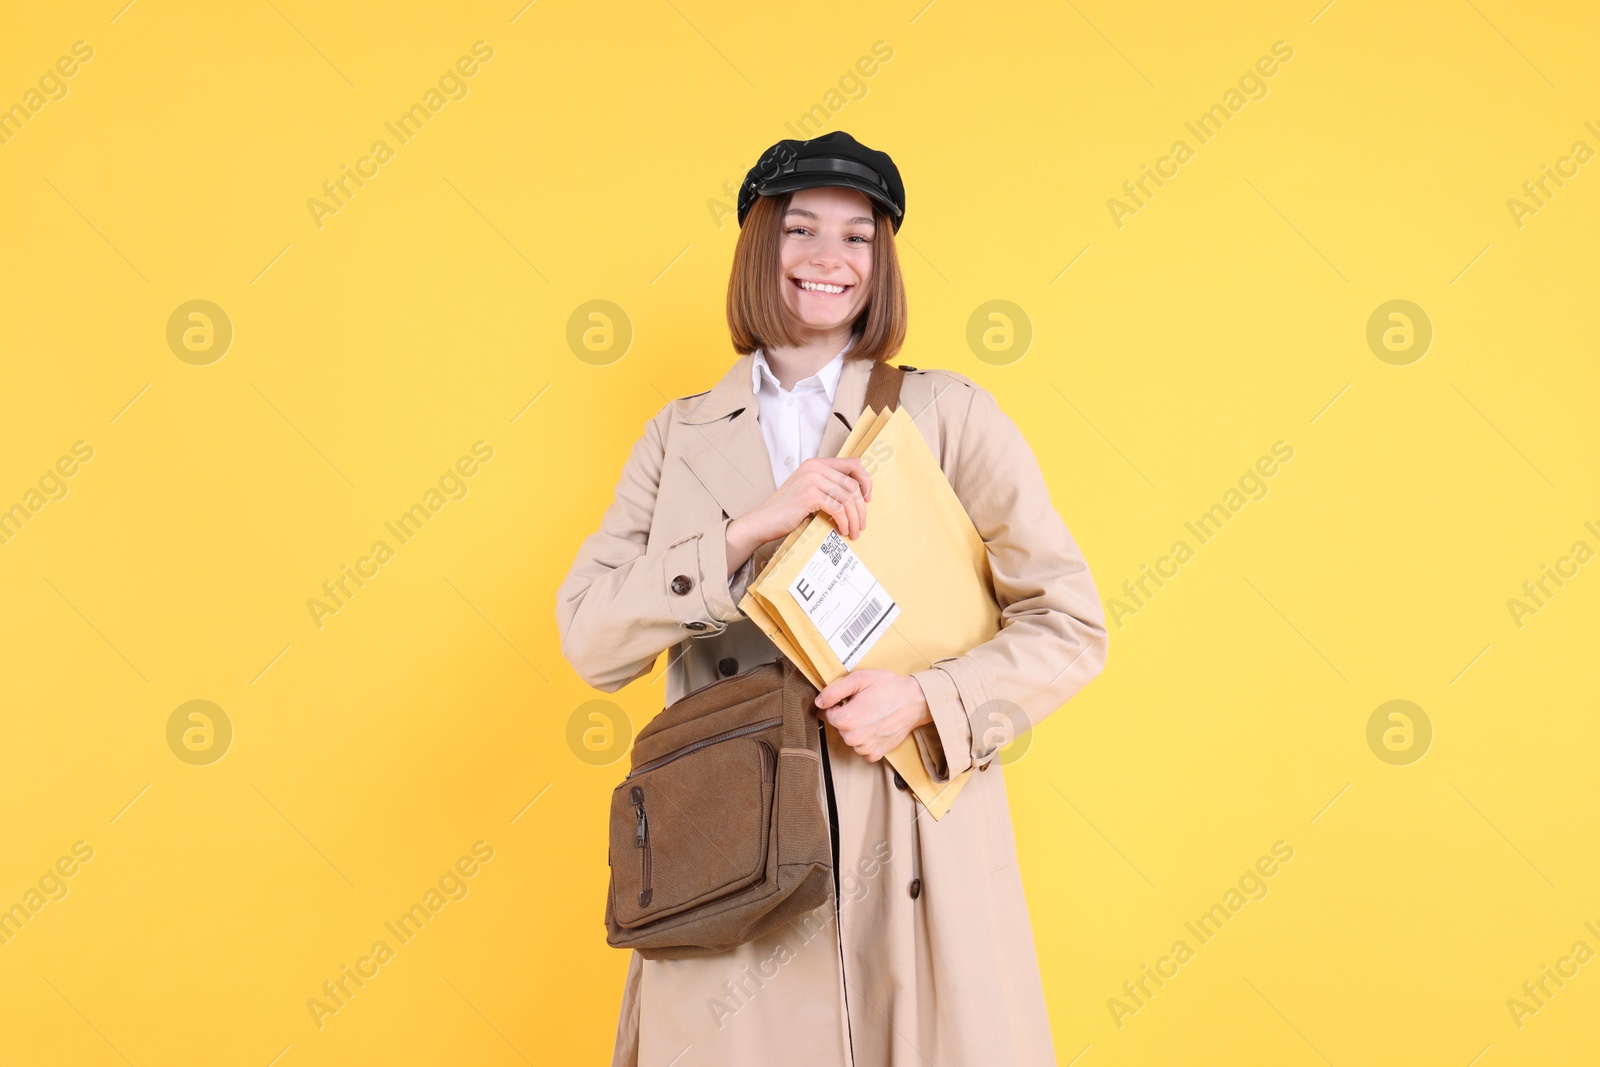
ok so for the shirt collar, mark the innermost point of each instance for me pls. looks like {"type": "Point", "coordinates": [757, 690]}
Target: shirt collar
{"type": "Point", "coordinates": [828, 374]}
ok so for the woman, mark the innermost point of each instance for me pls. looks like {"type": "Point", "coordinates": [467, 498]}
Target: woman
{"type": "Point", "coordinates": [925, 955]}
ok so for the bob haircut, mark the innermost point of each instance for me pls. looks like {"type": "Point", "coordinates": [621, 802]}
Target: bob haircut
{"type": "Point", "coordinates": [757, 316]}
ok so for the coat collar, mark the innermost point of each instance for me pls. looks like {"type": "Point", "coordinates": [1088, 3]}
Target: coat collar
{"type": "Point", "coordinates": [728, 452]}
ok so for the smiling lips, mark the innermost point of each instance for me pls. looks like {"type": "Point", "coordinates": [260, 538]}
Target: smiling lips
{"type": "Point", "coordinates": [821, 288]}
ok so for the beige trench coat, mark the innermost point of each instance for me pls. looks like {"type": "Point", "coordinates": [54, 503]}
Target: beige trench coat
{"type": "Point", "coordinates": [929, 957]}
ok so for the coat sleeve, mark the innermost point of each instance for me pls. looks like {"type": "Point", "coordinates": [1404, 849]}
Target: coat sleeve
{"type": "Point", "coordinates": [1052, 639]}
{"type": "Point", "coordinates": [628, 597]}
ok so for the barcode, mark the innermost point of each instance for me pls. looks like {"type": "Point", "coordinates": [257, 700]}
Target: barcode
{"type": "Point", "coordinates": [867, 616]}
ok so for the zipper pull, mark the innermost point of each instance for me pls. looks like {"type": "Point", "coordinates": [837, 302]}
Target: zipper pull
{"type": "Point", "coordinates": [637, 796]}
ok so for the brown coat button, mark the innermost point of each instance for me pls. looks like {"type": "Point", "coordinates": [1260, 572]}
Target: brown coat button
{"type": "Point", "coordinates": [899, 782]}
{"type": "Point", "coordinates": [915, 888]}
{"type": "Point", "coordinates": [727, 666]}
{"type": "Point", "coordinates": [985, 765]}
{"type": "Point", "coordinates": [682, 584]}
{"type": "Point", "coordinates": [696, 625]}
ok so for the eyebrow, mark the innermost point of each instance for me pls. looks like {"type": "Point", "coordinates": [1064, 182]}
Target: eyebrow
{"type": "Point", "coordinates": [812, 215]}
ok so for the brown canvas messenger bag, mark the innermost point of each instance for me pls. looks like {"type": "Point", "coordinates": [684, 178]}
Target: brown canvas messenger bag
{"type": "Point", "coordinates": [719, 833]}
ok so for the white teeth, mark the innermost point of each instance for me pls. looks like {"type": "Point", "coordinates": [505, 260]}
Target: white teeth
{"type": "Point", "coordinates": [821, 288]}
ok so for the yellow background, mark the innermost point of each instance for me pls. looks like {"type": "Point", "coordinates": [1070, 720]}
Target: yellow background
{"type": "Point", "coordinates": [431, 312]}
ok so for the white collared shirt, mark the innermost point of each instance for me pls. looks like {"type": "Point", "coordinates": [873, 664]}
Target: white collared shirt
{"type": "Point", "coordinates": [792, 421]}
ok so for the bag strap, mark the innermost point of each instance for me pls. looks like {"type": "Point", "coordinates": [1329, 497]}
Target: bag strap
{"type": "Point", "coordinates": [800, 714]}
{"type": "Point", "coordinates": [883, 386]}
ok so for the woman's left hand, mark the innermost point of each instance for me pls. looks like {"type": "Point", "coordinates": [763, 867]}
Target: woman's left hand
{"type": "Point", "coordinates": [882, 710]}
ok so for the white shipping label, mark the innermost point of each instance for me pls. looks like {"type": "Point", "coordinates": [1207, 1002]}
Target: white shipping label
{"type": "Point", "coordinates": [843, 600]}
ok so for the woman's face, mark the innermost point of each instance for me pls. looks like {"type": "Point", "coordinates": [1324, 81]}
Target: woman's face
{"type": "Point", "coordinates": [826, 257]}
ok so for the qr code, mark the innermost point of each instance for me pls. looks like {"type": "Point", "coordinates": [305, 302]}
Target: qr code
{"type": "Point", "coordinates": [833, 547]}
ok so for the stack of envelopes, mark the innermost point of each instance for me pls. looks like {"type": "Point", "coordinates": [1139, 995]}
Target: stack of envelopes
{"type": "Point", "coordinates": [913, 589]}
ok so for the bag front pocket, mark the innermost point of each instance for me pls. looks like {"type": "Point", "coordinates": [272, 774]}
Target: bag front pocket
{"type": "Point", "coordinates": [691, 827]}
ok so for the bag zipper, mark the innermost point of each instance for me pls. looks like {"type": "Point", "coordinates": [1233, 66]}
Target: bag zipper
{"type": "Point", "coordinates": [726, 735]}
{"type": "Point", "coordinates": [641, 839]}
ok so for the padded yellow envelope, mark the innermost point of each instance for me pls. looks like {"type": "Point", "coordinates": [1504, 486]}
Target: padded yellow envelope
{"type": "Point", "coordinates": [913, 589]}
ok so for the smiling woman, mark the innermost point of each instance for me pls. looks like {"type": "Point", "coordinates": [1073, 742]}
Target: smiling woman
{"type": "Point", "coordinates": [932, 961]}
{"type": "Point", "coordinates": [769, 298]}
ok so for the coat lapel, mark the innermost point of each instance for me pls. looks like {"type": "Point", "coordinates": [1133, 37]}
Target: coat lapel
{"type": "Point", "coordinates": [847, 401]}
{"type": "Point", "coordinates": [729, 454]}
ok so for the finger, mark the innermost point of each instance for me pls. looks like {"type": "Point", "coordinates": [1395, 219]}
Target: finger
{"type": "Point", "coordinates": [849, 524]}
{"type": "Point", "coordinates": [859, 473]}
{"type": "Point", "coordinates": [838, 689]}
{"type": "Point", "coordinates": [837, 471]}
{"type": "Point", "coordinates": [832, 694]}
{"type": "Point", "coordinates": [856, 470]}
{"type": "Point", "coordinates": [840, 484]}
{"type": "Point", "coordinates": [851, 528]}
{"type": "Point", "coordinates": [841, 512]}
{"type": "Point", "coordinates": [848, 490]}
{"type": "Point", "coordinates": [834, 510]}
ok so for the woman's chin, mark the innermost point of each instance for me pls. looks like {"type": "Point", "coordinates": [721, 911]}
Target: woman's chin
{"type": "Point", "coordinates": [823, 323]}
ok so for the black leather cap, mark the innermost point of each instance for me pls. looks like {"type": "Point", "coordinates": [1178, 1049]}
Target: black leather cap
{"type": "Point", "coordinates": [833, 159]}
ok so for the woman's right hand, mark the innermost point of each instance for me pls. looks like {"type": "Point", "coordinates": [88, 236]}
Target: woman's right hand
{"type": "Point", "coordinates": [838, 486]}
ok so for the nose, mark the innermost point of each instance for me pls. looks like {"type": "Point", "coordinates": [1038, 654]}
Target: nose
{"type": "Point", "coordinates": [826, 256]}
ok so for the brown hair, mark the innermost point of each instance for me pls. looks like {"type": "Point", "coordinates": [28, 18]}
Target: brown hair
{"type": "Point", "coordinates": [757, 316]}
